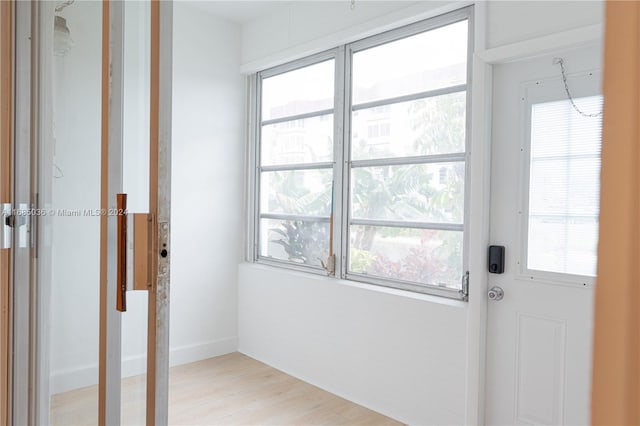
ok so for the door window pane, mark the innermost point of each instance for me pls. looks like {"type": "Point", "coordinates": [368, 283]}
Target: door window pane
{"type": "Point", "coordinates": [564, 187]}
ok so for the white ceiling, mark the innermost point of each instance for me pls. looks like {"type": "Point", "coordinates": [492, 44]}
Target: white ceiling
{"type": "Point", "coordinates": [239, 11]}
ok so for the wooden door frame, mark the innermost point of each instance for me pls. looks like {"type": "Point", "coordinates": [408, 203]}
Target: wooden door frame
{"type": "Point", "coordinates": [6, 196]}
{"type": "Point", "coordinates": [160, 211]}
{"type": "Point", "coordinates": [109, 371]}
{"type": "Point", "coordinates": [616, 358]}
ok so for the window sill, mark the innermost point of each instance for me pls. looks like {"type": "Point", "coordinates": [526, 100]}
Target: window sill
{"type": "Point", "coordinates": [356, 285]}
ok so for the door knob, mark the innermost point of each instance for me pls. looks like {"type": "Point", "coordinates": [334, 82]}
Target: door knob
{"type": "Point", "coordinates": [496, 293]}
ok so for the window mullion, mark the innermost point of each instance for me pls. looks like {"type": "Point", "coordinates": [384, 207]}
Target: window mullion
{"type": "Point", "coordinates": [411, 97]}
{"type": "Point", "coordinates": [256, 128]}
{"type": "Point", "coordinates": [340, 141]}
{"type": "Point", "coordinates": [346, 158]}
{"type": "Point", "coordinates": [405, 161]}
{"type": "Point", "coordinates": [302, 116]}
{"type": "Point", "coordinates": [296, 167]}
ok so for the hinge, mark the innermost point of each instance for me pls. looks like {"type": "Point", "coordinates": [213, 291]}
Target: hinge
{"type": "Point", "coordinates": [464, 292]}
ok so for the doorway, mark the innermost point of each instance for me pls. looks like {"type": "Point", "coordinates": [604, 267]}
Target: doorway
{"type": "Point", "coordinates": [544, 211]}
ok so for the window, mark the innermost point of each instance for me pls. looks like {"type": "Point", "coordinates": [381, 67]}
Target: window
{"type": "Point", "coordinates": [362, 153]}
{"type": "Point", "coordinates": [296, 164]}
{"type": "Point", "coordinates": [564, 187]}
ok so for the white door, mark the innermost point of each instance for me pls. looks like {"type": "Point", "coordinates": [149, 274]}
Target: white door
{"type": "Point", "coordinates": [544, 209]}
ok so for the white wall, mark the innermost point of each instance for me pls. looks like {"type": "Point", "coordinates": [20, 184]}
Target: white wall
{"type": "Point", "coordinates": [404, 356]}
{"type": "Point", "coordinates": [302, 28]}
{"type": "Point", "coordinates": [514, 21]}
{"type": "Point", "coordinates": [305, 27]}
{"type": "Point", "coordinates": [207, 182]}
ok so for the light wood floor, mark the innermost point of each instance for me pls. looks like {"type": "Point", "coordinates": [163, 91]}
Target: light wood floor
{"type": "Point", "coordinates": [228, 390]}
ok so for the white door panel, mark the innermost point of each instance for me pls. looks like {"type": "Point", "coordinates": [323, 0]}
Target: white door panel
{"type": "Point", "coordinates": [539, 334]}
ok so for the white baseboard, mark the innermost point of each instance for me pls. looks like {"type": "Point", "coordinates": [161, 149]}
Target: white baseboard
{"type": "Point", "coordinates": [87, 375]}
{"type": "Point", "coordinates": [191, 353]}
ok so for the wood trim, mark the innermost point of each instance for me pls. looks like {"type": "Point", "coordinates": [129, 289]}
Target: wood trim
{"type": "Point", "coordinates": [162, 295]}
{"type": "Point", "coordinates": [5, 335]}
{"type": "Point", "coordinates": [6, 184]}
{"type": "Point", "coordinates": [616, 357]}
{"type": "Point", "coordinates": [141, 251]}
{"type": "Point", "coordinates": [154, 121]}
{"type": "Point", "coordinates": [121, 284]}
{"type": "Point", "coordinates": [6, 84]}
{"type": "Point", "coordinates": [104, 204]}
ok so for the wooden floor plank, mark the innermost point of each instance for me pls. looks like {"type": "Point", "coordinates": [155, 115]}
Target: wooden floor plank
{"type": "Point", "coordinates": [231, 389]}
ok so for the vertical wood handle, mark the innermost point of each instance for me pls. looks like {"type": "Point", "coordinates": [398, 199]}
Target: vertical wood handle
{"type": "Point", "coordinates": [121, 281]}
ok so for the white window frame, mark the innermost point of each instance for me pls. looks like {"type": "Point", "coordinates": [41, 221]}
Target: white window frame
{"type": "Point", "coordinates": [342, 162]}
{"type": "Point", "coordinates": [583, 84]}
{"type": "Point", "coordinates": [258, 123]}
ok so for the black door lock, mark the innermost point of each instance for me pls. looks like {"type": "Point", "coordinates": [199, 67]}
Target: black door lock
{"type": "Point", "coordinates": [496, 259]}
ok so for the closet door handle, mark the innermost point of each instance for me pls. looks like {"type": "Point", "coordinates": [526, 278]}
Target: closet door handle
{"type": "Point", "coordinates": [121, 241]}
{"type": "Point", "coordinates": [6, 226]}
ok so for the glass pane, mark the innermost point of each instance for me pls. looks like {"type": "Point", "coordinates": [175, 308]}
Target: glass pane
{"type": "Point", "coordinates": [308, 140]}
{"type": "Point", "coordinates": [427, 61]}
{"type": "Point", "coordinates": [135, 178]}
{"type": "Point", "coordinates": [563, 244]}
{"type": "Point", "coordinates": [416, 192]}
{"type": "Point", "coordinates": [305, 192]}
{"type": "Point", "coordinates": [418, 255]}
{"type": "Point", "coordinates": [565, 132]}
{"type": "Point", "coordinates": [300, 91]}
{"type": "Point", "coordinates": [423, 127]}
{"type": "Point", "coordinates": [134, 359]}
{"type": "Point", "coordinates": [564, 187]}
{"type": "Point", "coordinates": [69, 174]}
{"type": "Point", "coordinates": [295, 241]}
{"type": "Point", "coordinates": [135, 157]}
